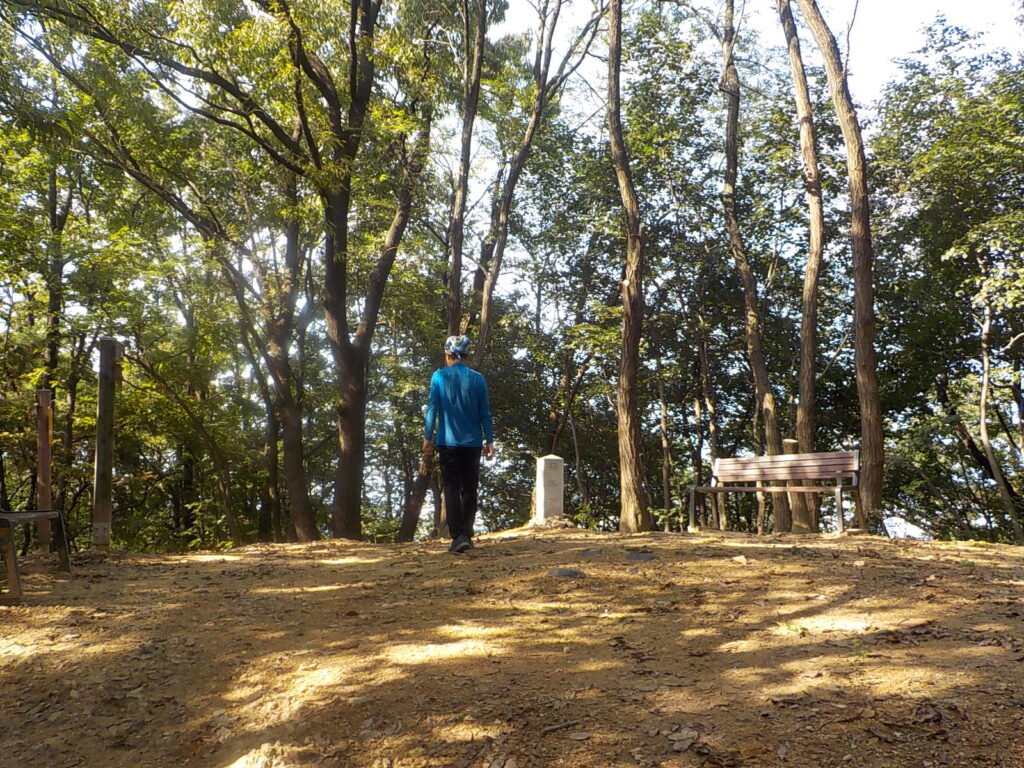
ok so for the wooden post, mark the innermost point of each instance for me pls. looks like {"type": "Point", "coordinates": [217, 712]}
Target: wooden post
{"type": "Point", "coordinates": [44, 467]}
{"type": "Point", "coordinates": [110, 359]}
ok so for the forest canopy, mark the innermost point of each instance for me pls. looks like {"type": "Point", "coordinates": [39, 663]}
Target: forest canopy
{"type": "Point", "coordinates": [281, 209]}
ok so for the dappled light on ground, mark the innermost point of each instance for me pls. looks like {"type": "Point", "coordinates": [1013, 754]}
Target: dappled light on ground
{"type": "Point", "coordinates": [542, 648]}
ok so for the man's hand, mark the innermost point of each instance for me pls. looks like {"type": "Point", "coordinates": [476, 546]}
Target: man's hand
{"type": "Point", "coordinates": [428, 447]}
{"type": "Point", "coordinates": [489, 451]}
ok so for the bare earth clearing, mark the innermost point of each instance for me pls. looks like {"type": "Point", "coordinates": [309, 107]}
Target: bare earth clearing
{"type": "Point", "coordinates": [720, 650]}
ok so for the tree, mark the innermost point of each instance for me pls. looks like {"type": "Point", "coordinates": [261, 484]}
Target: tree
{"type": "Point", "coordinates": [872, 444]}
{"type": "Point", "coordinates": [951, 174]}
{"type": "Point", "coordinates": [803, 518]}
{"type": "Point", "coordinates": [634, 514]}
{"type": "Point", "coordinates": [331, 116]}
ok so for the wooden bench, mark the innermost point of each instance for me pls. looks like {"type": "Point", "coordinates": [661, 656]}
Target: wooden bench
{"type": "Point", "coordinates": [7, 522]}
{"type": "Point", "coordinates": [772, 473]}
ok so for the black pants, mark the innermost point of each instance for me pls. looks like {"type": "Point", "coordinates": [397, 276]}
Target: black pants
{"type": "Point", "coordinates": [460, 475]}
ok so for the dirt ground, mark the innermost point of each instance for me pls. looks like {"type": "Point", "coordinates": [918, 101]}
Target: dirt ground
{"type": "Point", "coordinates": [539, 648]}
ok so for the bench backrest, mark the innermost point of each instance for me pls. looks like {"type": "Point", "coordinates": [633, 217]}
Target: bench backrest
{"type": "Point", "coordinates": [788, 466]}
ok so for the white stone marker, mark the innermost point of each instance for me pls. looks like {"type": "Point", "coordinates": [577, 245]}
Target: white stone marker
{"type": "Point", "coordinates": [550, 488]}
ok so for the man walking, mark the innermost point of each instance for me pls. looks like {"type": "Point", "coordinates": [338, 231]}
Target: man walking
{"type": "Point", "coordinates": [459, 411]}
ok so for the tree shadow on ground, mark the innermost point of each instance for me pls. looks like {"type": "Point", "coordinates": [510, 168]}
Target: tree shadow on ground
{"type": "Point", "coordinates": [721, 650]}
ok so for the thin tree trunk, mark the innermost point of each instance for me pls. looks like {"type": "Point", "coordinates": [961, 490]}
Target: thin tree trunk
{"type": "Point", "coordinates": [805, 505]}
{"type": "Point", "coordinates": [872, 439]}
{"type": "Point", "coordinates": [58, 210]}
{"type": "Point", "coordinates": [547, 88]}
{"type": "Point", "coordinates": [634, 512]}
{"type": "Point", "coordinates": [698, 466]}
{"type": "Point", "coordinates": [82, 349]}
{"type": "Point", "coordinates": [730, 86]}
{"type": "Point", "coordinates": [572, 390]}
{"type": "Point", "coordinates": [5, 499]}
{"type": "Point", "coordinates": [271, 504]}
{"type": "Point", "coordinates": [666, 448]}
{"type": "Point", "coordinates": [414, 501]}
{"type": "Point", "coordinates": [1005, 496]}
{"type": "Point", "coordinates": [441, 530]}
{"type": "Point", "coordinates": [472, 68]}
{"type": "Point", "coordinates": [269, 514]}
{"type": "Point", "coordinates": [762, 508]}
{"type": "Point", "coordinates": [711, 406]}
{"type": "Point", "coordinates": [578, 463]}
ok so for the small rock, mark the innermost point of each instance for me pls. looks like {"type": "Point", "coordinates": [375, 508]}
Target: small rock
{"type": "Point", "coordinates": [640, 557]}
{"type": "Point", "coordinates": [683, 739]}
{"type": "Point", "coordinates": [566, 573]}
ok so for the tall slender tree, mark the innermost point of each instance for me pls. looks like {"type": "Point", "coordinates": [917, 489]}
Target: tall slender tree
{"type": "Point", "coordinates": [872, 441]}
{"type": "Point", "coordinates": [730, 86]}
{"type": "Point", "coordinates": [474, 35]}
{"type": "Point", "coordinates": [634, 512]}
{"type": "Point", "coordinates": [804, 519]}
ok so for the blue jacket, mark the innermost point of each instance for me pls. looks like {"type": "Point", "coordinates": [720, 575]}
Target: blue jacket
{"type": "Point", "coordinates": [459, 408]}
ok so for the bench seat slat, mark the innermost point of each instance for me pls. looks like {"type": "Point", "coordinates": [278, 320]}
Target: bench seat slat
{"type": "Point", "coordinates": [790, 458]}
{"type": "Point", "coordinates": [753, 474]}
{"type": "Point", "coordinates": [784, 467]}
{"type": "Point", "coordinates": [772, 488]}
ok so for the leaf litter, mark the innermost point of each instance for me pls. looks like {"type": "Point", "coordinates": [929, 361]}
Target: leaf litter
{"type": "Point", "coordinates": [724, 650]}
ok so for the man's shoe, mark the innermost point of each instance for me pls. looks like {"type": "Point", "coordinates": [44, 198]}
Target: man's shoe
{"type": "Point", "coordinates": [460, 545]}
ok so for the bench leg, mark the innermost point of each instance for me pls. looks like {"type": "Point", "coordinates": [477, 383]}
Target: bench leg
{"type": "Point", "coordinates": [839, 510]}
{"type": "Point", "coordinates": [13, 594]}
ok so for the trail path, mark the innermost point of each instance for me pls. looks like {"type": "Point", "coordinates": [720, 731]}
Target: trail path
{"type": "Point", "coordinates": [670, 650]}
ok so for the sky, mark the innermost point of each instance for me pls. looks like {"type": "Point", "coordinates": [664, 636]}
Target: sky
{"type": "Point", "coordinates": [883, 30]}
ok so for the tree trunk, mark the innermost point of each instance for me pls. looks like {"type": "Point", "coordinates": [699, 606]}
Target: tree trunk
{"type": "Point", "coordinates": [634, 512]}
{"type": "Point", "coordinates": [351, 353]}
{"type": "Point", "coordinates": [805, 505]}
{"type": "Point", "coordinates": [730, 86]}
{"type": "Point", "coordinates": [711, 407]}
{"type": "Point", "coordinates": [58, 211]}
{"type": "Point", "coordinates": [872, 440]}
{"type": "Point", "coordinates": [581, 484]}
{"type": "Point", "coordinates": [414, 501]}
{"type": "Point", "coordinates": [346, 511]}
{"type": "Point", "coordinates": [572, 390]}
{"type": "Point", "coordinates": [270, 504]}
{"type": "Point", "coordinates": [547, 87]}
{"type": "Point", "coordinates": [81, 351]}
{"type": "Point", "coordinates": [1005, 495]}
{"type": "Point", "coordinates": [666, 450]}
{"type": "Point", "coordinates": [698, 467]}
{"type": "Point", "coordinates": [472, 68]}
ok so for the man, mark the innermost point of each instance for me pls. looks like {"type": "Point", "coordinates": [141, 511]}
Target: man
{"type": "Point", "coordinates": [459, 411]}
